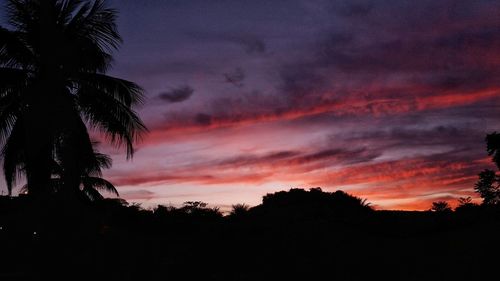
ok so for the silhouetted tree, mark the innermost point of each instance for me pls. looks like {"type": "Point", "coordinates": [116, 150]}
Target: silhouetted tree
{"type": "Point", "coordinates": [53, 62]}
{"type": "Point", "coordinates": [488, 184]}
{"type": "Point", "coordinates": [465, 204]}
{"type": "Point", "coordinates": [493, 147]}
{"type": "Point", "coordinates": [440, 207]}
{"type": "Point", "coordinates": [162, 211]}
{"type": "Point", "coordinates": [239, 210]}
{"type": "Point", "coordinates": [463, 201]}
{"type": "Point", "coordinates": [91, 181]}
{"type": "Point", "coordinates": [198, 208]}
{"type": "Point", "coordinates": [315, 202]}
{"type": "Point", "coordinates": [488, 187]}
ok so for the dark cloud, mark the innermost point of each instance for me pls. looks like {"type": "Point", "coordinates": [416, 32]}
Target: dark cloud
{"type": "Point", "coordinates": [445, 144]}
{"type": "Point", "coordinates": [428, 48]}
{"type": "Point", "coordinates": [296, 158]}
{"type": "Point", "coordinates": [301, 80]}
{"type": "Point", "coordinates": [203, 119]}
{"type": "Point", "coordinates": [403, 136]}
{"type": "Point", "coordinates": [177, 95]}
{"type": "Point", "coordinates": [250, 43]}
{"type": "Point", "coordinates": [467, 80]}
{"type": "Point", "coordinates": [246, 160]}
{"type": "Point", "coordinates": [235, 77]}
{"type": "Point", "coordinates": [339, 155]}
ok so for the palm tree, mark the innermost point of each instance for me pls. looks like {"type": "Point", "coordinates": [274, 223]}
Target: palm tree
{"type": "Point", "coordinates": [53, 85]}
{"type": "Point", "coordinates": [91, 181]}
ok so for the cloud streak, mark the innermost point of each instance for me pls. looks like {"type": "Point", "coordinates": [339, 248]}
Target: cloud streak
{"type": "Point", "coordinates": [375, 107]}
{"type": "Point", "coordinates": [179, 94]}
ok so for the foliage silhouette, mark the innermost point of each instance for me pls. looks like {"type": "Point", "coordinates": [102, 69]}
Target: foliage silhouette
{"type": "Point", "coordinates": [51, 89]}
{"type": "Point", "coordinates": [200, 209]}
{"type": "Point", "coordinates": [441, 207]}
{"type": "Point", "coordinates": [190, 209]}
{"type": "Point", "coordinates": [466, 204]}
{"type": "Point", "coordinates": [493, 147]}
{"type": "Point", "coordinates": [303, 204]}
{"type": "Point", "coordinates": [239, 210]}
{"type": "Point", "coordinates": [488, 184]}
{"type": "Point", "coordinates": [488, 187]}
{"type": "Point", "coordinates": [465, 201]}
{"type": "Point", "coordinates": [91, 181]}
{"type": "Point", "coordinates": [189, 242]}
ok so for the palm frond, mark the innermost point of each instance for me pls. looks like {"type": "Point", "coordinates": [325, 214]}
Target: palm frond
{"type": "Point", "coordinates": [13, 154]}
{"type": "Point", "coordinates": [66, 10]}
{"type": "Point", "coordinates": [96, 22]}
{"type": "Point", "coordinates": [122, 90]}
{"type": "Point", "coordinates": [84, 56]}
{"type": "Point", "coordinates": [13, 50]}
{"type": "Point", "coordinates": [8, 117]}
{"type": "Point", "coordinates": [92, 194]}
{"type": "Point", "coordinates": [118, 122]}
{"type": "Point", "coordinates": [22, 13]}
{"type": "Point", "coordinates": [95, 164]}
{"type": "Point", "coordinates": [100, 184]}
{"type": "Point", "coordinates": [12, 80]}
{"type": "Point", "coordinates": [11, 86]}
{"type": "Point", "coordinates": [103, 160]}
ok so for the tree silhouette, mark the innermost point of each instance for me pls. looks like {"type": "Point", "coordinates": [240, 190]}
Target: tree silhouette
{"type": "Point", "coordinates": [488, 184]}
{"type": "Point", "coordinates": [466, 204]}
{"type": "Point", "coordinates": [91, 181]}
{"type": "Point", "coordinates": [493, 147]}
{"type": "Point", "coordinates": [488, 187]}
{"type": "Point", "coordinates": [53, 85]}
{"type": "Point", "coordinates": [464, 201]}
{"type": "Point", "coordinates": [198, 208]}
{"type": "Point", "coordinates": [239, 210]}
{"type": "Point", "coordinates": [300, 203]}
{"type": "Point", "coordinates": [440, 207]}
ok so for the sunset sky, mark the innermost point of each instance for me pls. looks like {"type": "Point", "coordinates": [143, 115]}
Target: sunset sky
{"type": "Point", "coordinates": [387, 100]}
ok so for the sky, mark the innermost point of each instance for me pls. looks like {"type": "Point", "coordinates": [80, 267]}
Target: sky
{"type": "Point", "coordinates": [386, 100]}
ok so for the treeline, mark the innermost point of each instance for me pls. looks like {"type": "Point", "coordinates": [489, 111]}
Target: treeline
{"type": "Point", "coordinates": [298, 233]}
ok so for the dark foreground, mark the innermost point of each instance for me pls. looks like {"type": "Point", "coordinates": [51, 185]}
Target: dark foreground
{"type": "Point", "coordinates": [285, 239]}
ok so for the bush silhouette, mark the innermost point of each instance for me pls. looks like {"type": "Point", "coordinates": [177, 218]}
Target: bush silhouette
{"type": "Point", "coordinates": [313, 203]}
{"type": "Point", "coordinates": [239, 210]}
{"type": "Point", "coordinates": [441, 207]}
